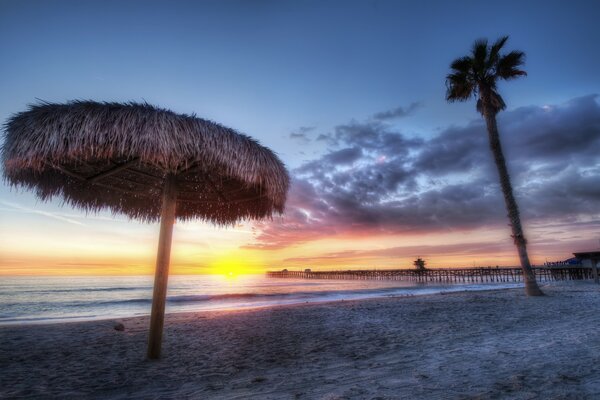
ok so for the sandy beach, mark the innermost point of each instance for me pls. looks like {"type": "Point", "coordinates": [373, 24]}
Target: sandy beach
{"type": "Point", "coordinates": [483, 345]}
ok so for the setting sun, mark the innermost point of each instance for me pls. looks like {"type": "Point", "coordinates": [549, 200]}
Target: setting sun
{"type": "Point", "coordinates": [229, 265]}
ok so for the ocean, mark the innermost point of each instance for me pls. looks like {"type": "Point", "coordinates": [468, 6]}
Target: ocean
{"type": "Point", "coordinates": [28, 300]}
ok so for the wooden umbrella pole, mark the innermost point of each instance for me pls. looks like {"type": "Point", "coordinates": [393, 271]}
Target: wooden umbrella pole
{"type": "Point", "coordinates": [167, 219]}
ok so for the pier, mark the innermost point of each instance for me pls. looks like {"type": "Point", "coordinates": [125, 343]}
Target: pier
{"type": "Point", "coordinates": [445, 275]}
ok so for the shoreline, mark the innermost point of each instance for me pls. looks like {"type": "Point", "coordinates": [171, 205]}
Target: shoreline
{"type": "Point", "coordinates": [487, 344]}
{"type": "Point", "coordinates": [460, 288]}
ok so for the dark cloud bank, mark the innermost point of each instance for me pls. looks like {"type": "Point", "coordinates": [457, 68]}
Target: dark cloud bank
{"type": "Point", "coordinates": [374, 179]}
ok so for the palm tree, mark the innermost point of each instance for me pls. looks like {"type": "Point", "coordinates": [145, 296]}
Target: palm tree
{"type": "Point", "coordinates": [477, 75]}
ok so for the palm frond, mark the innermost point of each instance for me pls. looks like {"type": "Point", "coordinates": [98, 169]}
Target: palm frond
{"type": "Point", "coordinates": [507, 66]}
{"type": "Point", "coordinates": [479, 106]}
{"type": "Point", "coordinates": [462, 65]}
{"type": "Point", "coordinates": [480, 54]}
{"type": "Point", "coordinates": [514, 59]}
{"type": "Point", "coordinates": [459, 87]}
{"type": "Point", "coordinates": [479, 49]}
{"type": "Point", "coordinates": [495, 50]}
{"type": "Point", "coordinates": [496, 102]}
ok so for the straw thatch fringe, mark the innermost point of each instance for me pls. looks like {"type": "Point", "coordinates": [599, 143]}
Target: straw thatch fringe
{"type": "Point", "coordinates": [224, 176]}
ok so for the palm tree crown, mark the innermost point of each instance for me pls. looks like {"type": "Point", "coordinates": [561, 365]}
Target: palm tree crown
{"type": "Point", "coordinates": [478, 74]}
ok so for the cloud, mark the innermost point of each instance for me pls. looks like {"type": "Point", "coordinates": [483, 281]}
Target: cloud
{"type": "Point", "coordinates": [48, 214]}
{"type": "Point", "coordinates": [302, 134]}
{"type": "Point", "coordinates": [402, 251]}
{"type": "Point", "coordinates": [306, 216]}
{"type": "Point", "coordinates": [344, 156]}
{"type": "Point", "coordinates": [398, 112]}
{"type": "Point", "coordinates": [375, 179]}
{"type": "Point", "coordinates": [370, 135]}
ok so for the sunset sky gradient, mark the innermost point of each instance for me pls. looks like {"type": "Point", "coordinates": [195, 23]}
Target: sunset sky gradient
{"type": "Point", "coordinates": [351, 97]}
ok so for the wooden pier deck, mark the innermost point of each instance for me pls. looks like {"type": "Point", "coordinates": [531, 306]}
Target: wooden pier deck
{"type": "Point", "coordinates": [445, 275]}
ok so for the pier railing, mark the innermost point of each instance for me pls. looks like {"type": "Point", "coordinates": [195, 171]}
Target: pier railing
{"type": "Point", "coordinates": [445, 275]}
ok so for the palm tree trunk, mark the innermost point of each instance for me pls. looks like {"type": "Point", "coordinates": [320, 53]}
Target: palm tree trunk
{"type": "Point", "coordinates": [531, 286]}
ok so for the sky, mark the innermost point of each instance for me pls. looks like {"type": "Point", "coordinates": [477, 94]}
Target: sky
{"type": "Point", "coordinates": [351, 96]}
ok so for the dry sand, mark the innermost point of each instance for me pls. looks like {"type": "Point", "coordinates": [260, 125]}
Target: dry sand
{"type": "Point", "coordinates": [485, 345]}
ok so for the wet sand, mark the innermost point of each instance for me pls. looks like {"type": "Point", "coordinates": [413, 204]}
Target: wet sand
{"type": "Point", "coordinates": [475, 345]}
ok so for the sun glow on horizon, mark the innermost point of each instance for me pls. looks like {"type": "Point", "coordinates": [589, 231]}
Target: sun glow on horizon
{"type": "Point", "coordinates": [230, 265]}
{"type": "Point", "coordinates": [98, 249]}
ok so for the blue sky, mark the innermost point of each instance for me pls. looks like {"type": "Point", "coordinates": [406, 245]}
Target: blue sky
{"type": "Point", "coordinates": [272, 68]}
{"type": "Point", "coordinates": [268, 67]}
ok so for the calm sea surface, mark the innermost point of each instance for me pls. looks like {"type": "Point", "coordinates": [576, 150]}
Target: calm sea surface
{"type": "Point", "coordinates": [57, 299]}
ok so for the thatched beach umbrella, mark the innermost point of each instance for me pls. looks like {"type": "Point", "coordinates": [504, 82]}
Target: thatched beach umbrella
{"type": "Point", "coordinates": [147, 163]}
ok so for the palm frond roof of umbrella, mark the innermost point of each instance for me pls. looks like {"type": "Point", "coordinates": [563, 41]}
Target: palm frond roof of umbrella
{"type": "Point", "coordinates": [116, 156]}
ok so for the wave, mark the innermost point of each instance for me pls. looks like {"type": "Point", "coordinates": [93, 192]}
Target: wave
{"type": "Point", "coordinates": [8, 320]}
{"type": "Point", "coordinates": [101, 289]}
{"type": "Point", "coordinates": [188, 299]}
{"type": "Point", "coordinates": [253, 297]}
{"type": "Point", "coordinates": [87, 309]}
